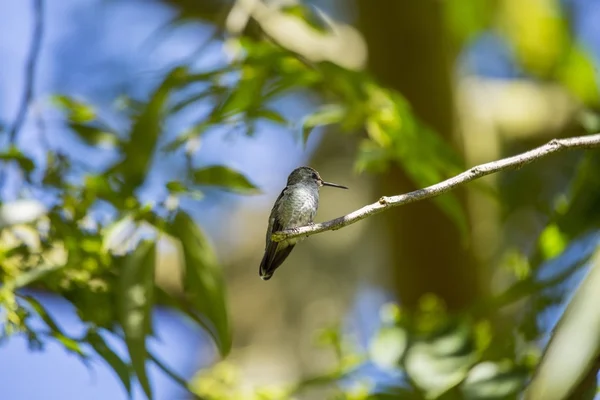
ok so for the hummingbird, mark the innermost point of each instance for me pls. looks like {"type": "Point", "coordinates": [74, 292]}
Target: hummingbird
{"type": "Point", "coordinates": [296, 206]}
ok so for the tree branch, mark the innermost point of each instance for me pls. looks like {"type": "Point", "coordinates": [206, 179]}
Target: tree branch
{"type": "Point", "coordinates": [34, 51]}
{"type": "Point", "coordinates": [385, 203]}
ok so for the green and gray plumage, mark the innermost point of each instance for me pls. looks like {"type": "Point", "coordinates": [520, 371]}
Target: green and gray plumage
{"type": "Point", "coordinates": [296, 206]}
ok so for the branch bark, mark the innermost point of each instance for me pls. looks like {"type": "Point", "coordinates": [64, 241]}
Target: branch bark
{"type": "Point", "coordinates": [387, 202]}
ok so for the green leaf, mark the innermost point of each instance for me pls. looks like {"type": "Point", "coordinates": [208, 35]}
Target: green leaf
{"type": "Point", "coordinates": [573, 350]}
{"type": "Point", "coordinates": [14, 154]}
{"type": "Point", "coordinates": [388, 348]}
{"type": "Point", "coordinates": [203, 280]}
{"type": "Point", "coordinates": [116, 363]}
{"type": "Point", "coordinates": [246, 95]}
{"type": "Point", "coordinates": [34, 275]}
{"type": "Point", "coordinates": [326, 115]}
{"type": "Point", "coordinates": [270, 115]}
{"type": "Point", "coordinates": [135, 298]}
{"type": "Point", "coordinates": [41, 311]}
{"type": "Point", "coordinates": [139, 149]}
{"type": "Point", "coordinates": [442, 359]}
{"type": "Point", "coordinates": [22, 211]}
{"type": "Point", "coordinates": [94, 136]}
{"type": "Point", "coordinates": [552, 241]}
{"type": "Point", "coordinates": [193, 133]}
{"type": "Point", "coordinates": [213, 91]}
{"type": "Point", "coordinates": [176, 187]}
{"type": "Point", "coordinates": [225, 177]}
{"type": "Point", "coordinates": [491, 380]}
{"type": "Point", "coordinates": [68, 343]}
{"type": "Point", "coordinates": [78, 111]}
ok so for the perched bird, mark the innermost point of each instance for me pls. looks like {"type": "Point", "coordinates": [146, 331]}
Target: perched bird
{"type": "Point", "coordinates": [296, 206]}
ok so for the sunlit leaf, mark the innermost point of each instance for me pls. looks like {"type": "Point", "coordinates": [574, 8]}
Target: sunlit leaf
{"type": "Point", "coordinates": [441, 360]}
{"type": "Point", "coordinates": [467, 18]}
{"type": "Point", "coordinates": [388, 347]}
{"type": "Point", "coordinates": [203, 281]}
{"type": "Point", "coordinates": [493, 381]}
{"type": "Point", "coordinates": [224, 177]}
{"type": "Point", "coordinates": [574, 347]}
{"type": "Point", "coordinates": [590, 121]}
{"type": "Point", "coordinates": [135, 298]}
{"type": "Point", "coordinates": [552, 242]}
{"type": "Point", "coordinates": [327, 115]}
{"type": "Point", "coordinates": [20, 212]}
{"type": "Point", "coordinates": [77, 111]}
{"type": "Point", "coordinates": [112, 359]}
{"type": "Point", "coordinates": [33, 275]}
{"type": "Point", "coordinates": [579, 74]}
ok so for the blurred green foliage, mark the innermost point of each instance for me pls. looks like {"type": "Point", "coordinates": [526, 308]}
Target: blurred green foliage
{"type": "Point", "coordinates": [107, 269]}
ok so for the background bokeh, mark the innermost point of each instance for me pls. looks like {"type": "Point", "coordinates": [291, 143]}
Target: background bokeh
{"type": "Point", "coordinates": [383, 97]}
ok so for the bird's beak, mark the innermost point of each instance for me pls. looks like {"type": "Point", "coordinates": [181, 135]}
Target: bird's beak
{"type": "Point", "coordinates": [335, 185]}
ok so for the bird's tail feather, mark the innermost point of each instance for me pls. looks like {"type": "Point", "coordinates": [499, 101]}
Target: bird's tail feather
{"type": "Point", "coordinates": [272, 259]}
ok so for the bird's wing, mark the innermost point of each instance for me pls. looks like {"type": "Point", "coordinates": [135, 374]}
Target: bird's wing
{"type": "Point", "coordinates": [275, 252]}
{"type": "Point", "coordinates": [274, 224]}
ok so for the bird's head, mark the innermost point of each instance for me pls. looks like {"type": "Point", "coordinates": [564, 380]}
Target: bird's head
{"type": "Point", "coordinates": [309, 175]}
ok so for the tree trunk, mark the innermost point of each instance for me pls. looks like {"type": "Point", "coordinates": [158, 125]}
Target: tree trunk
{"type": "Point", "coordinates": [407, 52]}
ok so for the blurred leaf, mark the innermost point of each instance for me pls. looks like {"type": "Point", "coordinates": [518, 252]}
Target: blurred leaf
{"type": "Point", "coordinates": [68, 343]}
{"type": "Point", "coordinates": [580, 214]}
{"type": "Point", "coordinates": [552, 242]}
{"type": "Point", "coordinates": [14, 154]}
{"type": "Point", "coordinates": [33, 275]}
{"type": "Point", "coordinates": [176, 187]}
{"type": "Point", "coordinates": [468, 18]}
{"type": "Point", "coordinates": [579, 75]}
{"type": "Point", "coordinates": [326, 115]}
{"type": "Point", "coordinates": [77, 111]}
{"type": "Point", "coordinates": [112, 359]}
{"type": "Point", "coordinates": [43, 314]}
{"type": "Point", "coordinates": [494, 381]}
{"type": "Point", "coordinates": [590, 121]}
{"type": "Point", "coordinates": [270, 115]}
{"type": "Point", "coordinates": [172, 374]}
{"type": "Point", "coordinates": [574, 348]}
{"type": "Point", "coordinates": [20, 212]}
{"type": "Point", "coordinates": [94, 136]}
{"type": "Point", "coordinates": [246, 95]}
{"type": "Point", "coordinates": [189, 135]}
{"type": "Point", "coordinates": [396, 393]}
{"type": "Point", "coordinates": [388, 347]}
{"type": "Point", "coordinates": [224, 177]}
{"type": "Point", "coordinates": [516, 262]}
{"type": "Point", "coordinates": [203, 282]}
{"type": "Point", "coordinates": [530, 27]}
{"type": "Point", "coordinates": [307, 14]}
{"type": "Point", "coordinates": [139, 149]}
{"type": "Point", "coordinates": [441, 360]}
{"type": "Point", "coordinates": [452, 207]}
{"type": "Point", "coordinates": [135, 299]}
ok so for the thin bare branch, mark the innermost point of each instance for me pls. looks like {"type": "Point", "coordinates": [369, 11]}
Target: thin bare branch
{"type": "Point", "coordinates": [34, 51]}
{"type": "Point", "coordinates": [387, 202]}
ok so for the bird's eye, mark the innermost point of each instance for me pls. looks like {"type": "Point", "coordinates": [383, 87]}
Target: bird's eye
{"type": "Point", "coordinates": [315, 176]}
